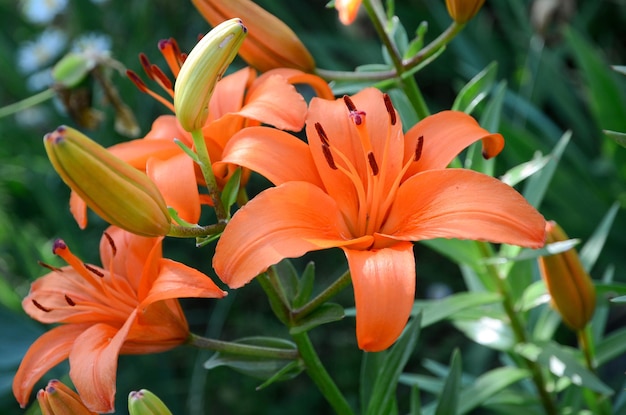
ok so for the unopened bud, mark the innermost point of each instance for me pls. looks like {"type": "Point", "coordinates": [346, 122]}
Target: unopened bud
{"type": "Point", "coordinates": [58, 399]}
{"type": "Point", "coordinates": [572, 291]}
{"type": "Point", "coordinates": [144, 402]}
{"type": "Point", "coordinates": [462, 11]}
{"type": "Point", "coordinates": [270, 44]}
{"type": "Point", "coordinates": [119, 193]}
{"type": "Point", "coordinates": [204, 66]}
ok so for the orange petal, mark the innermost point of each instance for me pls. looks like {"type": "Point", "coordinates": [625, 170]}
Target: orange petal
{"type": "Point", "coordinates": [275, 102]}
{"type": "Point", "coordinates": [93, 364]}
{"type": "Point", "coordinates": [295, 77]}
{"type": "Point", "coordinates": [282, 222]}
{"type": "Point", "coordinates": [46, 352]}
{"type": "Point", "coordinates": [176, 280]}
{"type": "Point", "coordinates": [384, 290]}
{"type": "Point", "coordinates": [458, 203]}
{"type": "Point", "coordinates": [276, 155]}
{"type": "Point", "coordinates": [445, 135]}
{"type": "Point", "coordinates": [348, 10]}
{"type": "Point", "coordinates": [137, 152]}
{"type": "Point", "coordinates": [229, 93]}
{"type": "Point", "coordinates": [167, 127]}
{"type": "Point", "coordinates": [176, 180]}
{"type": "Point", "coordinates": [78, 208]}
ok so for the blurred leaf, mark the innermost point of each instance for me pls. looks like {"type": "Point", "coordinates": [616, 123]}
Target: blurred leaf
{"type": "Point", "coordinates": [394, 361]}
{"type": "Point", "coordinates": [288, 277]}
{"type": "Point", "coordinates": [416, 404]}
{"type": "Point", "coordinates": [523, 171]}
{"type": "Point", "coordinates": [399, 37]}
{"type": "Point", "coordinates": [563, 362]}
{"type": "Point", "coordinates": [448, 400]}
{"type": "Point", "coordinates": [488, 385]}
{"type": "Point", "coordinates": [288, 371]}
{"type": "Point", "coordinates": [619, 138]}
{"type": "Point", "coordinates": [326, 313]}
{"type": "Point", "coordinates": [488, 331]}
{"type": "Point", "coordinates": [590, 252]}
{"type": "Point", "coordinates": [231, 190]}
{"type": "Point", "coordinates": [305, 286]}
{"type": "Point", "coordinates": [476, 89]}
{"type": "Point", "coordinates": [612, 346]}
{"type": "Point", "coordinates": [534, 295]}
{"type": "Point", "coordinates": [418, 42]}
{"type": "Point", "coordinates": [460, 251]}
{"type": "Point", "coordinates": [258, 367]}
{"type": "Point", "coordinates": [619, 69]}
{"type": "Point", "coordinates": [526, 254]}
{"type": "Point", "coordinates": [434, 311]}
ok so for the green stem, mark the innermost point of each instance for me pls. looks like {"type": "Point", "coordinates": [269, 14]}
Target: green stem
{"type": "Point", "coordinates": [585, 344]}
{"type": "Point", "coordinates": [596, 401]}
{"type": "Point", "coordinates": [177, 231]}
{"type": "Point", "coordinates": [207, 171]}
{"type": "Point", "coordinates": [27, 102]}
{"type": "Point", "coordinates": [337, 285]}
{"type": "Point", "coordinates": [317, 372]}
{"type": "Point", "coordinates": [240, 349]}
{"type": "Point", "coordinates": [518, 329]}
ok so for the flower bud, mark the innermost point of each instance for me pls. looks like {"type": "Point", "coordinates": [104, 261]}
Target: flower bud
{"type": "Point", "coordinates": [462, 11]}
{"type": "Point", "coordinates": [119, 193]}
{"type": "Point", "coordinates": [270, 44]}
{"type": "Point", "coordinates": [204, 66]}
{"type": "Point", "coordinates": [144, 402]}
{"type": "Point", "coordinates": [572, 291]}
{"type": "Point", "coordinates": [58, 399]}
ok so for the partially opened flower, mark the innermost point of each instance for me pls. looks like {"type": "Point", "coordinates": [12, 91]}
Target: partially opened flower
{"type": "Point", "coordinates": [362, 185]}
{"type": "Point", "coordinates": [129, 306]}
{"type": "Point", "coordinates": [58, 399]}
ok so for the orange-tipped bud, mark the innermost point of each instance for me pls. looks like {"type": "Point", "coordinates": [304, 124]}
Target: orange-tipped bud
{"type": "Point", "coordinates": [462, 11]}
{"type": "Point", "coordinates": [58, 399]}
{"type": "Point", "coordinates": [144, 402]}
{"type": "Point", "coordinates": [270, 44]}
{"type": "Point", "coordinates": [572, 291]}
{"type": "Point", "coordinates": [204, 66]}
{"type": "Point", "coordinates": [119, 193]}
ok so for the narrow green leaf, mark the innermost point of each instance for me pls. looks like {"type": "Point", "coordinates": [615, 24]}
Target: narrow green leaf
{"type": "Point", "coordinates": [418, 42]}
{"type": "Point", "coordinates": [326, 313]}
{"type": "Point", "coordinates": [526, 254]}
{"type": "Point", "coordinates": [416, 404]}
{"type": "Point", "coordinates": [231, 190]}
{"type": "Point", "coordinates": [611, 346]}
{"type": "Point", "coordinates": [476, 89]}
{"type": "Point", "coordinates": [534, 295]}
{"type": "Point", "coordinates": [288, 278]}
{"type": "Point", "coordinates": [590, 252]}
{"type": "Point", "coordinates": [448, 400]}
{"type": "Point", "coordinates": [486, 330]}
{"type": "Point", "coordinates": [289, 371]}
{"type": "Point", "coordinates": [523, 171]}
{"type": "Point", "coordinates": [395, 360]}
{"type": "Point", "coordinates": [619, 138]}
{"type": "Point", "coordinates": [488, 385]}
{"type": "Point", "coordinates": [305, 286]}
{"type": "Point", "coordinates": [434, 311]}
{"type": "Point", "coordinates": [371, 365]}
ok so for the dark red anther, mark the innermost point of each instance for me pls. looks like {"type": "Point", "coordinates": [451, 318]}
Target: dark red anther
{"type": "Point", "coordinates": [58, 244]}
{"type": "Point", "coordinates": [69, 300]}
{"type": "Point", "coordinates": [418, 148]}
{"type": "Point", "coordinates": [390, 110]}
{"type": "Point", "coordinates": [358, 117]}
{"type": "Point", "coordinates": [94, 270]}
{"type": "Point", "coordinates": [136, 80]}
{"type": "Point", "coordinates": [50, 267]}
{"type": "Point", "coordinates": [111, 243]}
{"type": "Point", "coordinates": [61, 129]}
{"type": "Point", "coordinates": [158, 73]}
{"type": "Point", "coordinates": [145, 64]}
{"type": "Point", "coordinates": [163, 44]}
{"type": "Point", "coordinates": [322, 134]}
{"type": "Point", "coordinates": [349, 103]}
{"type": "Point", "coordinates": [329, 156]}
{"type": "Point", "coordinates": [39, 306]}
{"type": "Point", "coordinates": [372, 160]}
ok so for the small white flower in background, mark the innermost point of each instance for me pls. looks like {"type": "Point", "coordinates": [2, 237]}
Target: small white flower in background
{"type": "Point", "coordinates": [34, 55]}
{"type": "Point", "coordinates": [95, 47]}
{"type": "Point", "coordinates": [40, 80]}
{"type": "Point", "coordinates": [42, 11]}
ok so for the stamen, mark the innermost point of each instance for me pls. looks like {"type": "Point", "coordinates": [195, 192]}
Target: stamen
{"type": "Point", "coordinates": [69, 300]}
{"type": "Point", "coordinates": [321, 134]}
{"type": "Point", "coordinates": [372, 161]}
{"type": "Point", "coordinates": [137, 81]}
{"type": "Point", "coordinates": [329, 156]}
{"type": "Point", "coordinates": [390, 110]}
{"type": "Point", "coordinates": [50, 267]}
{"type": "Point", "coordinates": [349, 103]}
{"type": "Point", "coordinates": [418, 148]}
{"type": "Point", "coordinates": [357, 117]}
{"type": "Point", "coordinates": [111, 243]}
{"type": "Point", "coordinates": [39, 306]}
{"type": "Point", "coordinates": [161, 78]}
{"type": "Point", "coordinates": [145, 64]}
{"type": "Point", "coordinates": [94, 270]}
{"type": "Point", "coordinates": [171, 52]}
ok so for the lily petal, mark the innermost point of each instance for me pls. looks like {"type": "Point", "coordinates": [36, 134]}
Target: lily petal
{"type": "Point", "coordinates": [296, 76]}
{"type": "Point", "coordinates": [78, 208]}
{"type": "Point", "coordinates": [137, 152]}
{"type": "Point", "coordinates": [296, 217]}
{"type": "Point", "coordinates": [167, 127]}
{"type": "Point", "coordinates": [252, 147]}
{"type": "Point", "coordinates": [229, 92]}
{"type": "Point", "coordinates": [445, 135]}
{"type": "Point", "coordinates": [46, 352]}
{"type": "Point", "coordinates": [459, 203]}
{"type": "Point", "coordinates": [384, 291]}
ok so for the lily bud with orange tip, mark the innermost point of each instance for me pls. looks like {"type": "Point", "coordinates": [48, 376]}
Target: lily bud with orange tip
{"type": "Point", "coordinates": [270, 44]}
{"type": "Point", "coordinates": [572, 291]}
{"type": "Point", "coordinates": [119, 193]}
{"type": "Point", "coordinates": [462, 11]}
{"type": "Point", "coordinates": [58, 399]}
{"type": "Point", "coordinates": [144, 402]}
{"type": "Point", "coordinates": [204, 66]}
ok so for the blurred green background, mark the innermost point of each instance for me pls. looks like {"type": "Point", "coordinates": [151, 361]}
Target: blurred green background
{"type": "Point", "coordinates": [556, 65]}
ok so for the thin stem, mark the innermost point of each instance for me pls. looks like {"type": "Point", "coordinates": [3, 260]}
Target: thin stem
{"type": "Point", "coordinates": [177, 231]}
{"type": "Point", "coordinates": [27, 102]}
{"type": "Point", "coordinates": [207, 171]}
{"type": "Point", "coordinates": [584, 342]}
{"type": "Point", "coordinates": [518, 330]}
{"type": "Point", "coordinates": [317, 372]}
{"type": "Point", "coordinates": [240, 349]}
{"type": "Point", "coordinates": [339, 284]}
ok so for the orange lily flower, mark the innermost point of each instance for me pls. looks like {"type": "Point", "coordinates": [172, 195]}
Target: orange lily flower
{"type": "Point", "coordinates": [348, 9]}
{"type": "Point", "coordinates": [58, 399]}
{"type": "Point", "coordinates": [363, 186]}
{"type": "Point", "coordinates": [127, 307]}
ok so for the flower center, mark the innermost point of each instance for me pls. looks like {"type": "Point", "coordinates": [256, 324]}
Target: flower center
{"type": "Point", "coordinates": [375, 189]}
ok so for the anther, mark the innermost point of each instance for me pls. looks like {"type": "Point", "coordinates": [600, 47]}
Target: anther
{"type": "Point", "coordinates": [111, 243]}
{"type": "Point", "coordinates": [94, 270]}
{"type": "Point", "coordinates": [39, 306]}
{"type": "Point", "coordinates": [418, 148]}
{"type": "Point", "coordinates": [69, 300]}
{"type": "Point", "coordinates": [322, 134]}
{"type": "Point", "coordinates": [145, 64]}
{"type": "Point", "coordinates": [390, 110]}
{"type": "Point", "coordinates": [57, 245]}
{"type": "Point", "coordinates": [349, 103]}
{"type": "Point", "coordinates": [137, 81]}
{"type": "Point", "coordinates": [158, 75]}
{"type": "Point", "coordinates": [329, 156]}
{"type": "Point", "coordinates": [50, 267]}
{"type": "Point", "coordinates": [358, 117]}
{"type": "Point", "coordinates": [372, 160]}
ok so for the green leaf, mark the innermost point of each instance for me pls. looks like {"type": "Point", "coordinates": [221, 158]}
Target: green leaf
{"type": "Point", "coordinates": [534, 295]}
{"type": "Point", "coordinates": [526, 254]}
{"type": "Point", "coordinates": [258, 367]}
{"type": "Point", "coordinates": [619, 138]}
{"type": "Point", "coordinates": [488, 385]}
{"type": "Point", "coordinates": [416, 404]}
{"type": "Point", "coordinates": [231, 190]}
{"type": "Point", "coordinates": [486, 330]}
{"type": "Point", "coordinates": [612, 346]}
{"type": "Point", "coordinates": [448, 400]}
{"type": "Point", "coordinates": [305, 286]}
{"type": "Point", "coordinates": [434, 311]}
{"type": "Point", "coordinates": [418, 42]}
{"type": "Point", "coordinates": [476, 89]}
{"type": "Point", "coordinates": [523, 171]}
{"type": "Point", "coordinates": [394, 361]}
{"type": "Point", "coordinates": [590, 252]}
{"type": "Point", "coordinates": [288, 278]}
{"type": "Point", "coordinates": [563, 362]}
{"type": "Point", "coordinates": [326, 313]}
{"type": "Point", "coordinates": [460, 251]}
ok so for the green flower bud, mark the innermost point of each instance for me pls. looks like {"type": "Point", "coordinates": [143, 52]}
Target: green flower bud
{"type": "Point", "coordinates": [119, 193]}
{"type": "Point", "coordinates": [58, 399]}
{"type": "Point", "coordinates": [144, 402]}
{"type": "Point", "coordinates": [204, 66]}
